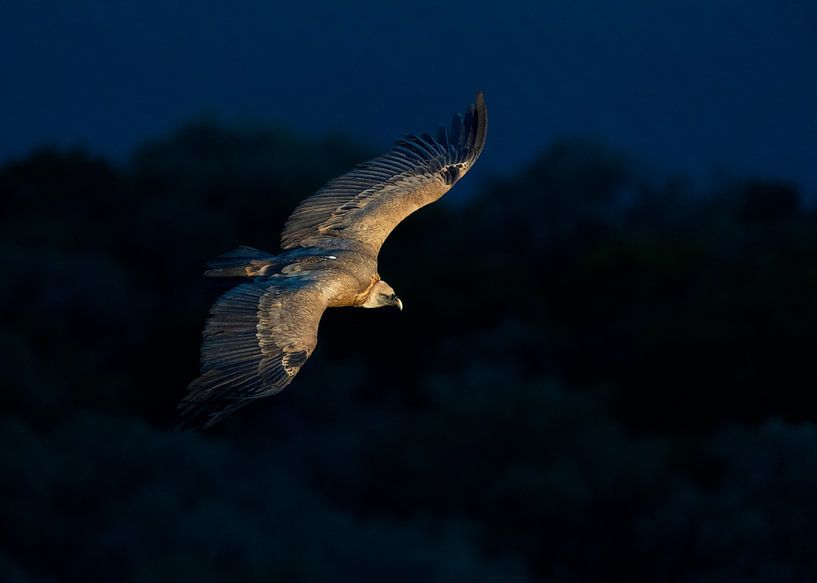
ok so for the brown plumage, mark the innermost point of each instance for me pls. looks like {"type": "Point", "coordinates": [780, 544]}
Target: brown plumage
{"type": "Point", "coordinates": [262, 331]}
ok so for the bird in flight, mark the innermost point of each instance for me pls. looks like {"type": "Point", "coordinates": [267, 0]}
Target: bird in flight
{"type": "Point", "coordinates": [261, 332]}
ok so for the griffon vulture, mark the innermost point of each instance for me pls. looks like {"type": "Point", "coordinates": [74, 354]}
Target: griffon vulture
{"type": "Point", "coordinates": [261, 332]}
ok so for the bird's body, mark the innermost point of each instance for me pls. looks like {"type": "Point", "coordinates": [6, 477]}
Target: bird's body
{"type": "Point", "coordinates": [264, 329]}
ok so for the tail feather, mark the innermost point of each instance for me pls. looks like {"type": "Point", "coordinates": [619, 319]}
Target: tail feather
{"type": "Point", "coordinates": [244, 262]}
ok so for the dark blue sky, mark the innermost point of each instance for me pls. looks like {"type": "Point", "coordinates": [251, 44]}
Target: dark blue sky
{"type": "Point", "coordinates": [685, 86]}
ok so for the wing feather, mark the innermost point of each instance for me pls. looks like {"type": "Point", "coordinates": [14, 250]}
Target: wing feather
{"type": "Point", "coordinates": [366, 204]}
{"type": "Point", "coordinates": [258, 336]}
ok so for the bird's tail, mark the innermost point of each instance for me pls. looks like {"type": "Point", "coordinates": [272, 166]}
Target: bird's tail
{"type": "Point", "coordinates": [240, 265]}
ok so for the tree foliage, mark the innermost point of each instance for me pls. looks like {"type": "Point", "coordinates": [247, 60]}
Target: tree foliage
{"type": "Point", "coordinates": [599, 375]}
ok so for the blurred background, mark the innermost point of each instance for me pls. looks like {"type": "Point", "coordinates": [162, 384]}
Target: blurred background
{"type": "Point", "coordinates": [605, 369]}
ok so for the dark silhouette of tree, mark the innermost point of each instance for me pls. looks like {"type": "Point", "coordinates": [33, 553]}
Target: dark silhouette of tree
{"type": "Point", "coordinates": [599, 376]}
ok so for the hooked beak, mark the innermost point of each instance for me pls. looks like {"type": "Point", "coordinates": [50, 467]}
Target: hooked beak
{"type": "Point", "coordinates": [398, 303]}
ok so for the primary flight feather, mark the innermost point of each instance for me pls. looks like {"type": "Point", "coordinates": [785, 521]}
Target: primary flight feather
{"type": "Point", "coordinates": [262, 331]}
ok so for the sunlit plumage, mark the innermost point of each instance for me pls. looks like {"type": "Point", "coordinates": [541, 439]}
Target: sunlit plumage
{"type": "Point", "coordinates": [262, 331]}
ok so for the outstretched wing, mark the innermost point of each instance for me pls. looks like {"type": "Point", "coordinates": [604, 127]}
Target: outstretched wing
{"type": "Point", "coordinates": [366, 204]}
{"type": "Point", "coordinates": [257, 338]}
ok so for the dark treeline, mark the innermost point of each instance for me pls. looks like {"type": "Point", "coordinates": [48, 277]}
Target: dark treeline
{"type": "Point", "coordinates": [598, 376]}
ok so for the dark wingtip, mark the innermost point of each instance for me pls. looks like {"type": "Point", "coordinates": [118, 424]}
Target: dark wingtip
{"type": "Point", "coordinates": [199, 416]}
{"type": "Point", "coordinates": [201, 408]}
{"type": "Point", "coordinates": [472, 130]}
{"type": "Point", "coordinates": [481, 123]}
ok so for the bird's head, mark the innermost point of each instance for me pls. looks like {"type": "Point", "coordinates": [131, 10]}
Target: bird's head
{"type": "Point", "coordinates": [382, 295]}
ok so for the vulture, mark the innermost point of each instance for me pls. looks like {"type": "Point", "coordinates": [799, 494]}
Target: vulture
{"type": "Point", "coordinates": [264, 328]}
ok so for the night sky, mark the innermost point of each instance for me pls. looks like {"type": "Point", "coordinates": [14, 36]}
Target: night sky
{"type": "Point", "coordinates": [695, 88]}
